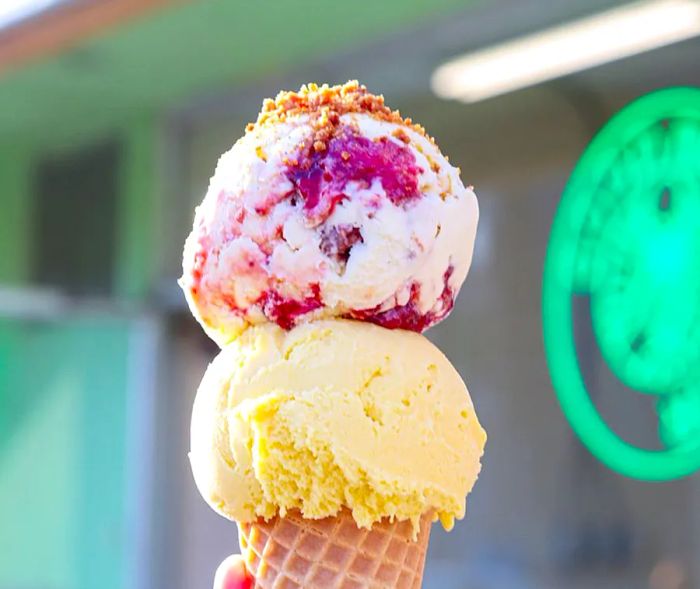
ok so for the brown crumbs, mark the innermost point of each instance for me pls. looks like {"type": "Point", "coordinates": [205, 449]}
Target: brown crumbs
{"type": "Point", "coordinates": [260, 153]}
{"type": "Point", "coordinates": [401, 135]}
{"type": "Point", "coordinates": [325, 105]}
{"type": "Point", "coordinates": [445, 193]}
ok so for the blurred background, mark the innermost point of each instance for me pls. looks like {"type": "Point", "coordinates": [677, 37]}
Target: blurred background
{"type": "Point", "coordinates": [112, 116]}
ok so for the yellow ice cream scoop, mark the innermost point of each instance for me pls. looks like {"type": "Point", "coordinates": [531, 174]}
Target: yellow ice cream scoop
{"type": "Point", "coordinates": [334, 414]}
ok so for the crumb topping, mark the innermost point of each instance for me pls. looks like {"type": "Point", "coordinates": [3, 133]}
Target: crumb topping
{"type": "Point", "coordinates": [325, 105]}
{"type": "Point", "coordinates": [401, 135]}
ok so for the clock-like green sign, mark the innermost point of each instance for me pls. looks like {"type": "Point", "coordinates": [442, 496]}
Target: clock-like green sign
{"type": "Point", "coordinates": [627, 235]}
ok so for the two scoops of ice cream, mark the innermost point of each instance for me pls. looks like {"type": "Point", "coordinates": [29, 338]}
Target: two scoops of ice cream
{"type": "Point", "coordinates": [333, 233]}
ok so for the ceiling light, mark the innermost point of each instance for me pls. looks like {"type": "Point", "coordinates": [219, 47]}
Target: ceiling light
{"type": "Point", "coordinates": [566, 49]}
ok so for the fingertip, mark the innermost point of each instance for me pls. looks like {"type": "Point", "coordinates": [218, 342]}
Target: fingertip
{"type": "Point", "coordinates": [233, 574]}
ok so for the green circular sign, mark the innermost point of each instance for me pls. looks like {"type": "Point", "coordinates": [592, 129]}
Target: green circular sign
{"type": "Point", "coordinates": [627, 236]}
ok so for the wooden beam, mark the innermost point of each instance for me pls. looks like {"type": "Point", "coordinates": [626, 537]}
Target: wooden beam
{"type": "Point", "coordinates": [67, 26]}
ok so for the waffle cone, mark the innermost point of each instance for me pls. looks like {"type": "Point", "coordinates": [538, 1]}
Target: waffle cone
{"type": "Point", "coordinates": [333, 553]}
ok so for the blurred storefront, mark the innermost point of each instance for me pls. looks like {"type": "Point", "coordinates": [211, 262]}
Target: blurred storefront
{"type": "Point", "coordinates": [111, 122]}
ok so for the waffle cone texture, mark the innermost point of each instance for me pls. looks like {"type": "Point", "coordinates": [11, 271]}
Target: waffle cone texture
{"type": "Point", "coordinates": [292, 552]}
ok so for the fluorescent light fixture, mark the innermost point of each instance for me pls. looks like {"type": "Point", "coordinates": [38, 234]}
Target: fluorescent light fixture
{"type": "Point", "coordinates": [568, 48]}
{"type": "Point", "coordinates": [13, 11]}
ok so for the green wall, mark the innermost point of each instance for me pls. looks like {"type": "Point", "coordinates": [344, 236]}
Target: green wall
{"type": "Point", "coordinates": [15, 246]}
{"type": "Point", "coordinates": [63, 388]}
{"type": "Point", "coordinates": [187, 50]}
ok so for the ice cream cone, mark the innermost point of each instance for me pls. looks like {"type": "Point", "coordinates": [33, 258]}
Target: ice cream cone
{"type": "Point", "coordinates": [324, 393]}
{"type": "Point", "coordinates": [292, 552]}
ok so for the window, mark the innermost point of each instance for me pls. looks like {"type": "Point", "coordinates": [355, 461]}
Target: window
{"type": "Point", "coordinates": [75, 201]}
